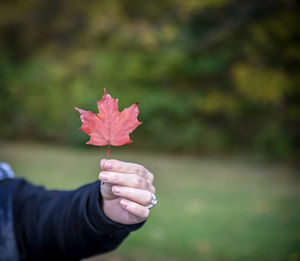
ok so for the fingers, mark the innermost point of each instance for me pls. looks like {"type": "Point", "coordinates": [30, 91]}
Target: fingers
{"type": "Point", "coordinates": [131, 182]}
{"type": "Point", "coordinates": [142, 197]}
{"type": "Point", "coordinates": [127, 180]}
{"type": "Point", "coordinates": [126, 167]}
{"type": "Point", "coordinates": [135, 208]}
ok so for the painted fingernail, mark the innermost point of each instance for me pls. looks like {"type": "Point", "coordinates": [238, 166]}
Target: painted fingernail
{"type": "Point", "coordinates": [123, 203]}
{"type": "Point", "coordinates": [116, 190]}
{"type": "Point", "coordinates": [103, 176]}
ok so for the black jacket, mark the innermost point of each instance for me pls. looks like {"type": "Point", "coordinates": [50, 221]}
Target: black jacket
{"type": "Point", "coordinates": [37, 224]}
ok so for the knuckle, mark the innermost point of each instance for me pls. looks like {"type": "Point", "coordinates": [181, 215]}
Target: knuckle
{"type": "Point", "coordinates": [141, 182]}
{"type": "Point", "coordinates": [148, 197]}
{"type": "Point", "coordinates": [145, 213]}
{"type": "Point", "coordinates": [150, 186]}
{"type": "Point", "coordinates": [143, 171]}
{"type": "Point", "coordinates": [138, 182]}
{"type": "Point", "coordinates": [137, 168]}
{"type": "Point", "coordinates": [153, 189]}
{"type": "Point", "coordinates": [151, 177]}
{"type": "Point", "coordinates": [115, 178]}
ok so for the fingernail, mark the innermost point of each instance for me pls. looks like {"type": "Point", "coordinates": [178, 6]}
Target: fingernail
{"type": "Point", "coordinates": [107, 165]}
{"type": "Point", "coordinates": [103, 176]}
{"type": "Point", "coordinates": [116, 190]}
{"type": "Point", "coordinates": [102, 164]}
{"type": "Point", "coordinates": [123, 203]}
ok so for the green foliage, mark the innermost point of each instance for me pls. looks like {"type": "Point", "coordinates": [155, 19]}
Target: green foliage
{"type": "Point", "coordinates": [213, 75]}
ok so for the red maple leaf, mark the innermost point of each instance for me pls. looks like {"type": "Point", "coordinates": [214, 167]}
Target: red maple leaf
{"type": "Point", "coordinates": [109, 126]}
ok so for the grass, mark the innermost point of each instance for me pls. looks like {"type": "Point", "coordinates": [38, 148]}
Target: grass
{"type": "Point", "coordinates": [209, 208]}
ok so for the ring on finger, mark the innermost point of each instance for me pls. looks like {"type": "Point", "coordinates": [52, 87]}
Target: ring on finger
{"type": "Point", "coordinates": [153, 202]}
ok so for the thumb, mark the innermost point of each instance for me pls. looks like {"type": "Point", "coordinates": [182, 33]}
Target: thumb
{"type": "Point", "coordinates": [106, 190]}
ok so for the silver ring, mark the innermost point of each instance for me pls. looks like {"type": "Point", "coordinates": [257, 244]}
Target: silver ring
{"type": "Point", "coordinates": [153, 202]}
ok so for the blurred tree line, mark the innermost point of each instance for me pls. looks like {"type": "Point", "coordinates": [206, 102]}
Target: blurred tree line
{"type": "Point", "coordinates": [210, 75]}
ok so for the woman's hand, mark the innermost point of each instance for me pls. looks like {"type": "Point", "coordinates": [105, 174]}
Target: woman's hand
{"type": "Point", "coordinates": [126, 192]}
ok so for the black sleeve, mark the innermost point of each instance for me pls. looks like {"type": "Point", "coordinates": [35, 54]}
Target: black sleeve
{"type": "Point", "coordinates": [68, 225]}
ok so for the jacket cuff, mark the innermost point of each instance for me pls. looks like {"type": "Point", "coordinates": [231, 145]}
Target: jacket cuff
{"type": "Point", "coordinates": [97, 216]}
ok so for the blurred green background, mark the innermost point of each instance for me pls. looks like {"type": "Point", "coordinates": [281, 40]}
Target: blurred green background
{"type": "Point", "coordinates": [218, 83]}
{"type": "Point", "coordinates": [210, 208]}
{"type": "Point", "coordinates": [210, 75]}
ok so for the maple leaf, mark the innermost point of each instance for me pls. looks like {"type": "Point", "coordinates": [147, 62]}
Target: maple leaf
{"type": "Point", "coordinates": [109, 126]}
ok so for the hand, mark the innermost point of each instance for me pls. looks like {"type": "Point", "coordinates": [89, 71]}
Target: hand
{"type": "Point", "coordinates": [126, 191]}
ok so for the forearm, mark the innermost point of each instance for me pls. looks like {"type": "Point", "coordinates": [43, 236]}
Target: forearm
{"type": "Point", "coordinates": [69, 225]}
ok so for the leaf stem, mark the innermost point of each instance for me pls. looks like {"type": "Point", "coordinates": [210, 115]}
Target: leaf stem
{"type": "Point", "coordinates": [108, 151]}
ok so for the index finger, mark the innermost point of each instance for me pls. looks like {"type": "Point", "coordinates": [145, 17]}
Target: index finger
{"type": "Point", "coordinates": [126, 167]}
